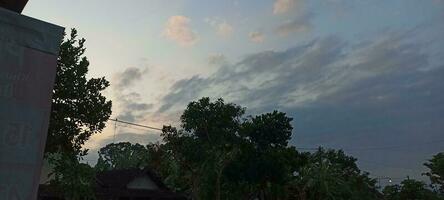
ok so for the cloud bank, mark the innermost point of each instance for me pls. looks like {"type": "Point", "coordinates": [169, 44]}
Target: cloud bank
{"type": "Point", "coordinates": [324, 71]}
{"type": "Point", "coordinates": [383, 91]}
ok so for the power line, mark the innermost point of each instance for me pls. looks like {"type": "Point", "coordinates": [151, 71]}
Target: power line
{"type": "Point", "coordinates": [375, 148]}
{"type": "Point", "coordinates": [299, 148]}
{"type": "Point", "coordinates": [115, 130]}
{"type": "Point", "coordinates": [394, 147]}
{"type": "Point", "coordinates": [134, 124]}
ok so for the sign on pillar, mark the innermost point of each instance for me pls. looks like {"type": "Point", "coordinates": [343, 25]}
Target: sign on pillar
{"type": "Point", "coordinates": [28, 61]}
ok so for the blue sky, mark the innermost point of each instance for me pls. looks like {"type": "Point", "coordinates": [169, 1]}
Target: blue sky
{"type": "Point", "coordinates": [365, 76]}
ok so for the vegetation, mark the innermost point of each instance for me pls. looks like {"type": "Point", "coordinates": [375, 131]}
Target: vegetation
{"type": "Point", "coordinates": [220, 154]}
{"type": "Point", "coordinates": [216, 153]}
{"type": "Point", "coordinates": [410, 190]}
{"type": "Point", "coordinates": [436, 173]}
{"type": "Point", "coordinates": [122, 155]}
{"type": "Point", "coordinates": [78, 111]}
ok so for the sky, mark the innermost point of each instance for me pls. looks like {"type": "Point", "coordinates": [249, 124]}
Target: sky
{"type": "Point", "coordinates": [363, 76]}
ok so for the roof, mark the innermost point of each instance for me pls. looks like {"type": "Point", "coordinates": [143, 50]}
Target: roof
{"type": "Point", "coordinates": [158, 194]}
{"type": "Point", "coordinates": [119, 179]}
{"type": "Point", "coordinates": [14, 5]}
{"type": "Point", "coordinates": [114, 184]}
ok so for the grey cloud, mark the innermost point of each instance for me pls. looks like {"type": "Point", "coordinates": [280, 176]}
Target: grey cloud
{"type": "Point", "coordinates": [139, 106]}
{"type": "Point", "coordinates": [178, 94]}
{"type": "Point", "coordinates": [300, 24]}
{"type": "Point", "coordinates": [398, 109]}
{"type": "Point", "coordinates": [256, 37]}
{"type": "Point", "coordinates": [217, 59]}
{"type": "Point", "coordinates": [382, 92]}
{"type": "Point", "coordinates": [325, 70]}
{"type": "Point", "coordinates": [263, 78]}
{"type": "Point", "coordinates": [127, 77]}
{"type": "Point", "coordinates": [131, 108]}
{"type": "Point", "coordinates": [130, 105]}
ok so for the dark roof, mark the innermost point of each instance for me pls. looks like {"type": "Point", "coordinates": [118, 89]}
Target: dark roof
{"type": "Point", "coordinates": [158, 194]}
{"type": "Point", "coordinates": [121, 178]}
{"type": "Point", "coordinates": [113, 184]}
{"type": "Point", "coordinates": [14, 5]}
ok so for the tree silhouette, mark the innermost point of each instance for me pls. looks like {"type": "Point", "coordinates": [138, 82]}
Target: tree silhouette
{"type": "Point", "coordinates": [79, 109]}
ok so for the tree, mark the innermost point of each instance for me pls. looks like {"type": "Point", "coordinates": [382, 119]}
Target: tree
{"type": "Point", "coordinates": [330, 174]}
{"type": "Point", "coordinates": [268, 130]}
{"type": "Point", "coordinates": [122, 155]}
{"type": "Point", "coordinates": [410, 189]}
{"type": "Point", "coordinates": [264, 163]}
{"type": "Point", "coordinates": [73, 179]}
{"type": "Point", "coordinates": [205, 144]}
{"type": "Point", "coordinates": [391, 192]}
{"type": "Point", "coordinates": [436, 173]}
{"type": "Point", "coordinates": [79, 109]}
{"type": "Point", "coordinates": [223, 155]}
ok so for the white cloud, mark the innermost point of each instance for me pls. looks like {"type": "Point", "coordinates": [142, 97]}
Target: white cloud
{"type": "Point", "coordinates": [178, 29]}
{"type": "Point", "coordinates": [283, 6]}
{"type": "Point", "coordinates": [223, 28]}
{"type": "Point", "coordinates": [256, 37]}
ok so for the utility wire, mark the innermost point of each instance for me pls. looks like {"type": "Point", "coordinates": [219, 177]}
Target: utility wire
{"type": "Point", "coordinates": [375, 148]}
{"type": "Point", "coordinates": [115, 130]}
{"type": "Point", "coordinates": [129, 124]}
{"type": "Point", "coordinates": [394, 147]}
{"type": "Point", "coordinates": [299, 148]}
{"type": "Point", "coordinates": [134, 124]}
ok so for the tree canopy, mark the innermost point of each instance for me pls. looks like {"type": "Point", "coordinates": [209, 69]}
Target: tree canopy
{"type": "Point", "coordinates": [79, 109]}
{"type": "Point", "coordinates": [410, 189]}
{"type": "Point", "coordinates": [225, 155]}
{"type": "Point", "coordinates": [436, 171]}
{"type": "Point", "coordinates": [122, 155]}
{"type": "Point", "coordinates": [218, 153]}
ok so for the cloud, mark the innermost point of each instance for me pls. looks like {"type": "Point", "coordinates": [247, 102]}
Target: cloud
{"type": "Point", "coordinates": [301, 75]}
{"type": "Point", "coordinates": [131, 107]}
{"type": "Point", "coordinates": [379, 92]}
{"type": "Point", "coordinates": [178, 29]}
{"type": "Point", "coordinates": [300, 24]}
{"type": "Point", "coordinates": [283, 6]}
{"type": "Point", "coordinates": [128, 105]}
{"type": "Point", "coordinates": [126, 78]}
{"type": "Point", "coordinates": [217, 59]}
{"type": "Point", "coordinates": [222, 28]}
{"type": "Point", "coordinates": [256, 37]}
